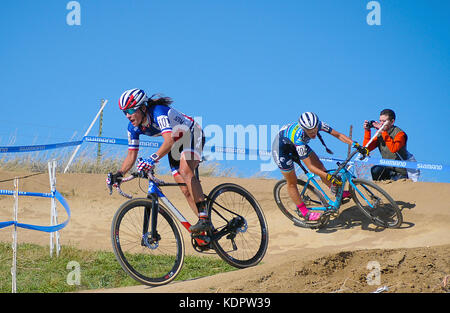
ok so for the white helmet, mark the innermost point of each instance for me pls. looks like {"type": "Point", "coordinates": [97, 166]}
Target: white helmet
{"type": "Point", "coordinates": [308, 120]}
{"type": "Point", "coordinates": [132, 98]}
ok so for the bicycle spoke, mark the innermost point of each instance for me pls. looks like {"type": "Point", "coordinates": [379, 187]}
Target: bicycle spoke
{"type": "Point", "coordinates": [236, 215]}
{"type": "Point", "coordinates": [150, 262]}
{"type": "Point", "coordinates": [376, 204]}
{"type": "Point", "coordinates": [310, 196]}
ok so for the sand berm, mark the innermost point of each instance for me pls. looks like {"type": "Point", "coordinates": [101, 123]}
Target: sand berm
{"type": "Point", "coordinates": [413, 258]}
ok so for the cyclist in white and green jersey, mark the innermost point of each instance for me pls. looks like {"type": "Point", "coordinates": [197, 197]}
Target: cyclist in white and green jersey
{"type": "Point", "coordinates": [291, 145]}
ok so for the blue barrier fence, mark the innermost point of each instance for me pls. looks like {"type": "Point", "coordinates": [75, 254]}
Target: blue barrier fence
{"type": "Point", "coordinates": [39, 147]}
{"type": "Point", "coordinates": [216, 149]}
{"type": "Point", "coordinates": [48, 229]}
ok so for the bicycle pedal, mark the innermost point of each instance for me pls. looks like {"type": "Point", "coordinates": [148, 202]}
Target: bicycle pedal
{"type": "Point", "coordinates": [206, 239]}
{"type": "Point", "coordinates": [201, 243]}
{"type": "Point", "coordinates": [331, 212]}
{"type": "Point", "coordinates": [202, 240]}
{"type": "Point", "coordinates": [344, 201]}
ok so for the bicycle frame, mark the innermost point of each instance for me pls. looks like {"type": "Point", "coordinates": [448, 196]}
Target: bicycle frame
{"type": "Point", "coordinates": [346, 176]}
{"type": "Point", "coordinates": [154, 193]}
{"type": "Point", "coordinates": [332, 205]}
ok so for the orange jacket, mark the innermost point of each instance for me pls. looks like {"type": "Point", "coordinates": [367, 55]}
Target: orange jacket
{"type": "Point", "coordinates": [393, 144]}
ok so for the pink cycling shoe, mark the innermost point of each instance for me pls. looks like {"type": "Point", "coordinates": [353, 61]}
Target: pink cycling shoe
{"type": "Point", "coordinates": [346, 195]}
{"type": "Point", "coordinates": [309, 216]}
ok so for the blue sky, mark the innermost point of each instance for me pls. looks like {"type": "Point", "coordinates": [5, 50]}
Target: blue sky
{"type": "Point", "coordinates": [249, 62]}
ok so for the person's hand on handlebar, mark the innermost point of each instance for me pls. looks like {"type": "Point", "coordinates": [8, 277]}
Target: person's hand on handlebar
{"type": "Point", "coordinates": [334, 180]}
{"type": "Point", "coordinates": [144, 166]}
{"type": "Point", "coordinates": [112, 179]}
{"type": "Point", "coordinates": [363, 150]}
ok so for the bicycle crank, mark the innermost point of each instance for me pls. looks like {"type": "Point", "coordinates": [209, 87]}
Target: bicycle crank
{"type": "Point", "coordinates": [200, 242]}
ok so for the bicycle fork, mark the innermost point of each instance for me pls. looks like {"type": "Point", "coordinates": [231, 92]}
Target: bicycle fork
{"type": "Point", "coordinates": [151, 217]}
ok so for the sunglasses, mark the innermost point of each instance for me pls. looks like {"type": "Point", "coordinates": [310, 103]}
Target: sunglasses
{"type": "Point", "coordinates": [129, 111]}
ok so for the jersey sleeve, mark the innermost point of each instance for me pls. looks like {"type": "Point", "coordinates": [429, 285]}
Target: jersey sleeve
{"type": "Point", "coordinates": [367, 137]}
{"type": "Point", "coordinates": [396, 143]}
{"type": "Point", "coordinates": [325, 127]}
{"type": "Point", "coordinates": [161, 117]}
{"type": "Point", "coordinates": [133, 138]}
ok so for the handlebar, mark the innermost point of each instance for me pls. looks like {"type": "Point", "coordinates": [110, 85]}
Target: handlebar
{"type": "Point", "coordinates": [344, 164]}
{"type": "Point", "coordinates": [150, 176]}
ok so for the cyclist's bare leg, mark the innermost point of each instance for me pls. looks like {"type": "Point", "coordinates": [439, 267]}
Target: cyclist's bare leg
{"type": "Point", "coordinates": [188, 164]}
{"type": "Point", "coordinates": [187, 171]}
{"type": "Point", "coordinates": [294, 194]}
{"type": "Point", "coordinates": [184, 189]}
{"type": "Point", "coordinates": [291, 184]}
{"type": "Point", "coordinates": [316, 166]}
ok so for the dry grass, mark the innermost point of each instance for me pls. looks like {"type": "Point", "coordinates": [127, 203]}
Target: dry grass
{"type": "Point", "coordinates": [86, 161]}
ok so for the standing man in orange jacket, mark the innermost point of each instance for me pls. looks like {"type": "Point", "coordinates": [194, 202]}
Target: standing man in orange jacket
{"type": "Point", "coordinates": [391, 142]}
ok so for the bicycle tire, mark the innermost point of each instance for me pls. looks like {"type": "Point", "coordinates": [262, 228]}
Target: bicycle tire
{"type": "Point", "coordinates": [311, 198]}
{"type": "Point", "coordinates": [143, 261]}
{"type": "Point", "coordinates": [251, 240]}
{"type": "Point", "coordinates": [385, 214]}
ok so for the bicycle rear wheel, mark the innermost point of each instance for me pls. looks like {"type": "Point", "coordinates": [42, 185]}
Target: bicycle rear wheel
{"type": "Point", "coordinates": [311, 197]}
{"type": "Point", "coordinates": [236, 212]}
{"type": "Point", "coordinates": [376, 204]}
{"type": "Point", "coordinates": [150, 262]}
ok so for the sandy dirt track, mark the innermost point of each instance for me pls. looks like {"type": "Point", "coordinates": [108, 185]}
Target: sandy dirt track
{"type": "Point", "coordinates": [414, 258]}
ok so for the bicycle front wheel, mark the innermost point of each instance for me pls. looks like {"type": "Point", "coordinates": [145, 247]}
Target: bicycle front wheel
{"type": "Point", "coordinates": [152, 262]}
{"type": "Point", "coordinates": [310, 196]}
{"type": "Point", "coordinates": [236, 212]}
{"type": "Point", "coordinates": [376, 204]}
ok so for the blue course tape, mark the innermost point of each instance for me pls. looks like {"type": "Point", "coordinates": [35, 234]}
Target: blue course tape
{"type": "Point", "coordinates": [217, 149]}
{"type": "Point", "coordinates": [395, 163]}
{"type": "Point", "coordinates": [406, 164]}
{"type": "Point", "coordinates": [118, 141]}
{"type": "Point", "coordinates": [48, 229]}
{"type": "Point", "coordinates": [39, 147]}
{"type": "Point", "coordinates": [5, 224]}
{"type": "Point", "coordinates": [25, 193]}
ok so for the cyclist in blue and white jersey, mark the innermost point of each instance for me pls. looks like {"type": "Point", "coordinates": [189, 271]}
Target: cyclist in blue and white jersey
{"type": "Point", "coordinates": [291, 145]}
{"type": "Point", "coordinates": [183, 143]}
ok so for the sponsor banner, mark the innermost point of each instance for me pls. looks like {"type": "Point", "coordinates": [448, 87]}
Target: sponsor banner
{"type": "Point", "coordinates": [124, 142]}
{"type": "Point", "coordinates": [230, 150]}
{"type": "Point", "coordinates": [25, 193]}
{"type": "Point", "coordinates": [39, 147]}
{"type": "Point", "coordinates": [395, 163]}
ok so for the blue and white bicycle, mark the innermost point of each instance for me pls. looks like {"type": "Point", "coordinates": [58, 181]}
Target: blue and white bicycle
{"type": "Point", "coordinates": [370, 198]}
{"type": "Point", "coordinates": [148, 243]}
